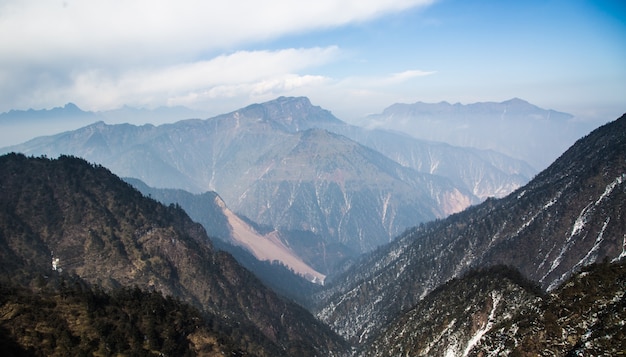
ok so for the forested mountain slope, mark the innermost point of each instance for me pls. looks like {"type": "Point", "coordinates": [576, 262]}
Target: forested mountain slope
{"type": "Point", "coordinates": [67, 216]}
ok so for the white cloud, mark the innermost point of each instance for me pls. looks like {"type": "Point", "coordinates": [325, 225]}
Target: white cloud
{"type": "Point", "coordinates": [242, 73]}
{"type": "Point", "coordinates": [134, 30]}
{"type": "Point", "coordinates": [407, 75]}
{"type": "Point", "coordinates": [105, 53]}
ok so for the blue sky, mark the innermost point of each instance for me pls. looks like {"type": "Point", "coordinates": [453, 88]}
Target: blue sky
{"type": "Point", "coordinates": [351, 57]}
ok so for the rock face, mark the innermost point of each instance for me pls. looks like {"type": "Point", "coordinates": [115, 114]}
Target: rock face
{"type": "Point", "coordinates": [571, 215]}
{"type": "Point", "coordinates": [66, 216]}
{"type": "Point", "coordinates": [513, 127]}
{"type": "Point", "coordinates": [272, 163]}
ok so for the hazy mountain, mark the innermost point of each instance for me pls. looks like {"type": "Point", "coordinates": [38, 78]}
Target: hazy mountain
{"type": "Point", "coordinates": [497, 313]}
{"type": "Point", "coordinates": [571, 215]}
{"type": "Point", "coordinates": [69, 217]}
{"type": "Point", "coordinates": [267, 170]}
{"type": "Point", "coordinates": [513, 127]}
{"type": "Point", "coordinates": [485, 173]}
{"type": "Point", "coordinates": [17, 126]}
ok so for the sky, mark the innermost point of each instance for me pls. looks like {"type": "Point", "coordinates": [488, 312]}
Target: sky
{"type": "Point", "coordinates": [351, 57]}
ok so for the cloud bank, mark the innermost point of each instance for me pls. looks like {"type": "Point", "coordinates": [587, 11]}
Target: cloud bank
{"type": "Point", "coordinates": [102, 54]}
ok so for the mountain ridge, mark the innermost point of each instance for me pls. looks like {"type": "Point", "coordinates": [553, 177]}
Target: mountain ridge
{"type": "Point", "coordinates": [514, 127]}
{"type": "Point", "coordinates": [241, 156]}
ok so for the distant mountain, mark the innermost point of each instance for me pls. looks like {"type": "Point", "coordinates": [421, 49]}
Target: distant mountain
{"type": "Point", "coordinates": [281, 165]}
{"type": "Point", "coordinates": [485, 173]}
{"type": "Point", "coordinates": [264, 169]}
{"type": "Point", "coordinates": [68, 112]}
{"type": "Point", "coordinates": [67, 218]}
{"type": "Point", "coordinates": [17, 126]}
{"type": "Point", "coordinates": [128, 114]}
{"type": "Point", "coordinates": [497, 312]}
{"type": "Point", "coordinates": [513, 127]}
{"type": "Point", "coordinates": [569, 216]}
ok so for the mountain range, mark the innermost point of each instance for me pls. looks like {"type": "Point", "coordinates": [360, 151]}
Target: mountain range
{"type": "Point", "coordinates": [539, 271]}
{"type": "Point", "coordinates": [513, 127]}
{"type": "Point", "coordinates": [290, 165]}
{"type": "Point", "coordinates": [17, 126]}
{"type": "Point", "coordinates": [569, 216]}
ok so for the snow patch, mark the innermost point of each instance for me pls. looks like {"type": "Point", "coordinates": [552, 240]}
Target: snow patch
{"type": "Point", "coordinates": [495, 298]}
{"type": "Point", "coordinates": [623, 253]}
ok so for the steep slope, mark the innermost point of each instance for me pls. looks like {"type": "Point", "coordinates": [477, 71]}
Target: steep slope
{"type": "Point", "coordinates": [571, 215]}
{"type": "Point", "coordinates": [67, 215]}
{"type": "Point", "coordinates": [496, 313]}
{"type": "Point", "coordinates": [456, 316]}
{"type": "Point", "coordinates": [484, 173]}
{"type": "Point", "coordinates": [266, 165]}
{"type": "Point", "coordinates": [513, 127]}
{"type": "Point", "coordinates": [220, 222]}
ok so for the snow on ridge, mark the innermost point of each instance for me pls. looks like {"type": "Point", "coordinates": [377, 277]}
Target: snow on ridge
{"type": "Point", "coordinates": [610, 187]}
{"type": "Point", "coordinates": [578, 227]}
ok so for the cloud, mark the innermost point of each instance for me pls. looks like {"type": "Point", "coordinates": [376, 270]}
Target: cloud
{"type": "Point", "coordinates": [133, 30]}
{"type": "Point", "coordinates": [407, 75]}
{"type": "Point", "coordinates": [250, 73]}
{"type": "Point", "coordinates": [378, 82]}
{"type": "Point", "coordinates": [105, 53]}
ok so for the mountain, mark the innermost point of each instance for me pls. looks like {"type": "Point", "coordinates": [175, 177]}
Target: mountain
{"type": "Point", "coordinates": [513, 127]}
{"type": "Point", "coordinates": [569, 216]}
{"type": "Point", "coordinates": [261, 250]}
{"type": "Point", "coordinates": [266, 168]}
{"type": "Point", "coordinates": [281, 164]}
{"type": "Point", "coordinates": [17, 126]}
{"type": "Point", "coordinates": [495, 312]}
{"type": "Point", "coordinates": [67, 217]}
{"type": "Point", "coordinates": [484, 173]}
{"type": "Point", "coordinates": [68, 112]}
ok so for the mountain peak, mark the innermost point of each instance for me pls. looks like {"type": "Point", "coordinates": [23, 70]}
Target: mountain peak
{"type": "Point", "coordinates": [291, 114]}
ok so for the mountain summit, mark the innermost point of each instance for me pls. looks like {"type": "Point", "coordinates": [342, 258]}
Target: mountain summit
{"type": "Point", "coordinates": [291, 114]}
